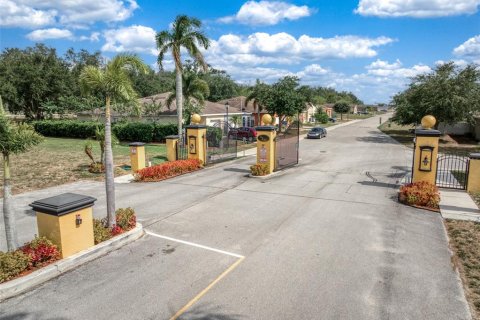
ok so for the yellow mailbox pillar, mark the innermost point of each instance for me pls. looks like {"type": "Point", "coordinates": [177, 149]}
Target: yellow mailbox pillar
{"type": "Point", "coordinates": [196, 139]}
{"type": "Point", "coordinates": [171, 144]}
{"type": "Point", "coordinates": [474, 173]}
{"type": "Point", "coordinates": [67, 221]}
{"type": "Point", "coordinates": [426, 151]}
{"type": "Point", "coordinates": [137, 155]}
{"type": "Point", "coordinates": [266, 135]}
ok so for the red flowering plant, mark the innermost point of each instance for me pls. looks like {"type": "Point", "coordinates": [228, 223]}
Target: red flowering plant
{"type": "Point", "coordinates": [167, 170]}
{"type": "Point", "coordinates": [422, 194]}
{"type": "Point", "coordinates": [40, 251]}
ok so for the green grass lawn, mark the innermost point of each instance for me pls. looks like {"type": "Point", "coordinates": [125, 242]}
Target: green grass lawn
{"type": "Point", "coordinates": [56, 161]}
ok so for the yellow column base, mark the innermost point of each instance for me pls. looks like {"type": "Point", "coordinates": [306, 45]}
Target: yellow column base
{"type": "Point", "coordinates": [137, 155]}
{"type": "Point", "coordinates": [266, 147]}
{"type": "Point", "coordinates": [474, 173]}
{"type": "Point", "coordinates": [171, 145]}
{"type": "Point", "coordinates": [426, 152]}
{"type": "Point", "coordinates": [196, 142]}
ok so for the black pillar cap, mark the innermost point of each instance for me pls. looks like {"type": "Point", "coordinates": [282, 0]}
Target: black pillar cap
{"type": "Point", "coordinates": [173, 136]}
{"type": "Point", "coordinates": [475, 156]}
{"type": "Point", "coordinates": [136, 144]}
{"type": "Point", "coordinates": [427, 133]}
{"type": "Point", "coordinates": [196, 126]}
{"type": "Point", "coordinates": [265, 128]}
{"type": "Point", "coordinates": [63, 204]}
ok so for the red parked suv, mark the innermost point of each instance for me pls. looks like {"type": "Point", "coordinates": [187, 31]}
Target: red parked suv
{"type": "Point", "coordinates": [243, 133]}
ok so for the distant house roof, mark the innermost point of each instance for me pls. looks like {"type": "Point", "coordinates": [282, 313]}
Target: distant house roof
{"type": "Point", "coordinates": [238, 103]}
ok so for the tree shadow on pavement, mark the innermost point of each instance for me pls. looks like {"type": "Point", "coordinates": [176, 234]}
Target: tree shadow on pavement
{"type": "Point", "coordinates": [206, 312]}
{"type": "Point", "coordinates": [377, 137]}
{"type": "Point", "coordinates": [28, 316]}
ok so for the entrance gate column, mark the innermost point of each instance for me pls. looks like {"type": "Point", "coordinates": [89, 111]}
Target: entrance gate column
{"type": "Point", "coordinates": [474, 173]}
{"type": "Point", "coordinates": [196, 140]}
{"type": "Point", "coordinates": [426, 152]}
{"type": "Point", "coordinates": [266, 143]}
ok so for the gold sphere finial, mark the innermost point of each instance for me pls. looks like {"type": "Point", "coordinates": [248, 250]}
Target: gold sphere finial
{"type": "Point", "coordinates": [267, 119]}
{"type": "Point", "coordinates": [196, 119]}
{"type": "Point", "coordinates": [428, 122]}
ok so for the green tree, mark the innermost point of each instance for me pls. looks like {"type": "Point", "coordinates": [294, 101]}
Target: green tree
{"type": "Point", "coordinates": [236, 119]}
{"type": "Point", "coordinates": [185, 33]}
{"type": "Point", "coordinates": [284, 99]}
{"type": "Point", "coordinates": [259, 94]}
{"type": "Point", "coordinates": [14, 139]}
{"type": "Point", "coordinates": [113, 83]}
{"type": "Point", "coordinates": [321, 116]}
{"type": "Point", "coordinates": [31, 78]}
{"type": "Point", "coordinates": [195, 92]}
{"type": "Point", "coordinates": [152, 83]}
{"type": "Point", "coordinates": [341, 107]}
{"type": "Point", "coordinates": [449, 93]}
{"type": "Point", "coordinates": [220, 84]}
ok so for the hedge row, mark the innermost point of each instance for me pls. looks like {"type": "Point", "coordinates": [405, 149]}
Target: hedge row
{"type": "Point", "coordinates": [125, 131]}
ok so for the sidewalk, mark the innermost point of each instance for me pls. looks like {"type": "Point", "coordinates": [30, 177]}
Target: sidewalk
{"type": "Point", "coordinates": [457, 204]}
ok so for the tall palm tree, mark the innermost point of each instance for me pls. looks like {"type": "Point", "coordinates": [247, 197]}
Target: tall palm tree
{"type": "Point", "coordinates": [14, 139]}
{"type": "Point", "coordinates": [184, 33]}
{"type": "Point", "coordinates": [195, 91]}
{"type": "Point", "coordinates": [115, 85]}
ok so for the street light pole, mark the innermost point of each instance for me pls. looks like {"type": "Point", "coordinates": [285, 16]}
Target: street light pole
{"type": "Point", "coordinates": [226, 122]}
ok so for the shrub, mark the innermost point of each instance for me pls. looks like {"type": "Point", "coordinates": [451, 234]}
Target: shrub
{"type": "Point", "coordinates": [161, 131]}
{"type": "Point", "coordinates": [126, 218]}
{"type": "Point", "coordinates": [12, 264]}
{"type": "Point", "coordinates": [321, 116]}
{"type": "Point", "coordinates": [259, 169]}
{"type": "Point", "coordinates": [40, 251]}
{"type": "Point", "coordinates": [100, 232]}
{"type": "Point", "coordinates": [420, 193]}
{"type": "Point", "coordinates": [167, 170]}
{"type": "Point", "coordinates": [134, 131]}
{"type": "Point", "coordinates": [66, 128]}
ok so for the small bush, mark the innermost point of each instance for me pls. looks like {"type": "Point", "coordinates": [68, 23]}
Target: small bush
{"type": "Point", "coordinates": [134, 131]}
{"type": "Point", "coordinates": [66, 128]}
{"type": "Point", "coordinates": [420, 193]}
{"type": "Point", "coordinates": [259, 169]}
{"type": "Point", "coordinates": [126, 218]}
{"type": "Point", "coordinates": [100, 232]}
{"type": "Point", "coordinates": [167, 170]}
{"type": "Point", "coordinates": [41, 251]}
{"type": "Point", "coordinates": [214, 136]}
{"type": "Point", "coordinates": [12, 264]}
{"type": "Point", "coordinates": [161, 131]}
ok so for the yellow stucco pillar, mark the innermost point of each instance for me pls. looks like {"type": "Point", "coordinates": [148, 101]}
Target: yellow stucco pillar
{"type": "Point", "coordinates": [137, 155]}
{"type": "Point", "coordinates": [171, 144]}
{"type": "Point", "coordinates": [67, 221]}
{"type": "Point", "coordinates": [474, 173]}
{"type": "Point", "coordinates": [266, 135]}
{"type": "Point", "coordinates": [426, 152]}
{"type": "Point", "coordinates": [196, 139]}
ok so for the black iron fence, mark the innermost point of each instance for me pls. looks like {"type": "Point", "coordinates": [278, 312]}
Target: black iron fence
{"type": "Point", "coordinates": [452, 170]}
{"type": "Point", "coordinates": [286, 146]}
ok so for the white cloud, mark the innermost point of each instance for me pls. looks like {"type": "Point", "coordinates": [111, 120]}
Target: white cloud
{"type": "Point", "coordinates": [135, 38]}
{"type": "Point", "coordinates": [52, 33]}
{"type": "Point", "coordinates": [15, 14]}
{"type": "Point", "coordinates": [37, 13]}
{"type": "Point", "coordinates": [395, 70]}
{"type": "Point", "coordinates": [267, 13]}
{"type": "Point", "coordinates": [94, 37]}
{"type": "Point", "coordinates": [282, 48]}
{"type": "Point", "coordinates": [416, 8]}
{"type": "Point", "coordinates": [470, 49]}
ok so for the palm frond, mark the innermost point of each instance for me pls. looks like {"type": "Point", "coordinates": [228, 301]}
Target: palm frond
{"type": "Point", "coordinates": [91, 79]}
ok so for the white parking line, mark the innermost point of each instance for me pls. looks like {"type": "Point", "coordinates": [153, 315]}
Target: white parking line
{"type": "Point", "coordinates": [194, 244]}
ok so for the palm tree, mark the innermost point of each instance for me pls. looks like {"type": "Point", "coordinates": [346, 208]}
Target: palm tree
{"type": "Point", "coordinates": [195, 91]}
{"type": "Point", "coordinates": [14, 139]}
{"type": "Point", "coordinates": [185, 33]}
{"type": "Point", "coordinates": [115, 85]}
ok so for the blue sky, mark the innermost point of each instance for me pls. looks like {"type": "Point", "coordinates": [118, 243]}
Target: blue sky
{"type": "Point", "coordinates": [369, 47]}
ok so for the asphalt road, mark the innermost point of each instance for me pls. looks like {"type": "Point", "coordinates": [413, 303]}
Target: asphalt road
{"type": "Point", "coordinates": [323, 240]}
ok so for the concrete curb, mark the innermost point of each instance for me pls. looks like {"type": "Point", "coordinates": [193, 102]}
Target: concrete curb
{"type": "Point", "coordinates": [23, 284]}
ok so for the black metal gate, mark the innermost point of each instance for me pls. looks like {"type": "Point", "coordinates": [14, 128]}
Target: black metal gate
{"type": "Point", "coordinates": [182, 150]}
{"type": "Point", "coordinates": [452, 170]}
{"type": "Point", "coordinates": [286, 146]}
{"type": "Point", "coordinates": [221, 142]}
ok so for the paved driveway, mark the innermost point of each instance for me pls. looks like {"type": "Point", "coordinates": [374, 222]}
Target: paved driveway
{"type": "Point", "coordinates": [323, 240]}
